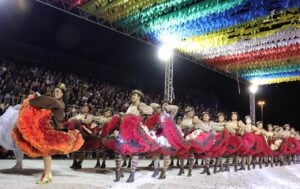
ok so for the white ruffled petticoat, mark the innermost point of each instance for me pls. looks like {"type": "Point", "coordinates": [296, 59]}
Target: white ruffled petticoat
{"type": "Point", "coordinates": [7, 123]}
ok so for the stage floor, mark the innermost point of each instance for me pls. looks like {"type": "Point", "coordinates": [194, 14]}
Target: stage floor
{"type": "Point", "coordinates": [286, 177]}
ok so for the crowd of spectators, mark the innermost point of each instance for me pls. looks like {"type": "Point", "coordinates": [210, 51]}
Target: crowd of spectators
{"type": "Point", "coordinates": [18, 80]}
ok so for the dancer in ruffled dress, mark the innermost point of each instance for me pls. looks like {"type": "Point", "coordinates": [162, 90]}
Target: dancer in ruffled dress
{"type": "Point", "coordinates": [7, 123]}
{"type": "Point", "coordinates": [38, 132]}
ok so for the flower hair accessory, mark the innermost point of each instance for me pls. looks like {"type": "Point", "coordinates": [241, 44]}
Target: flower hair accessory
{"type": "Point", "coordinates": [62, 86]}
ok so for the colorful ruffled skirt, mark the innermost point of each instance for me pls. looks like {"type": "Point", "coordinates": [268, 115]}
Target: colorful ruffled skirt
{"type": "Point", "coordinates": [289, 146]}
{"type": "Point", "coordinates": [202, 144]}
{"type": "Point", "coordinates": [35, 136]}
{"type": "Point", "coordinates": [132, 138]}
{"type": "Point", "coordinates": [235, 143]}
{"type": "Point", "coordinates": [248, 140]}
{"type": "Point", "coordinates": [259, 147]}
{"type": "Point", "coordinates": [169, 138]}
{"type": "Point", "coordinates": [91, 141]}
{"type": "Point", "coordinates": [220, 144]}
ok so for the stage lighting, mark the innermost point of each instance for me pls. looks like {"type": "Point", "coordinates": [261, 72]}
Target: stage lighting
{"type": "Point", "coordinates": [253, 88]}
{"type": "Point", "coordinates": [165, 52]}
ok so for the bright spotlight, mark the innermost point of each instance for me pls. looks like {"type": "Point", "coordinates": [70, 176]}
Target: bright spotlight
{"type": "Point", "coordinates": [253, 88]}
{"type": "Point", "coordinates": [165, 52]}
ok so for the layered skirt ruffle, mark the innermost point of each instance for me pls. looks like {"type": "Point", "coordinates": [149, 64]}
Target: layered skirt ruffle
{"type": "Point", "coordinates": [91, 141]}
{"type": "Point", "coordinates": [202, 144]}
{"type": "Point", "coordinates": [132, 138]}
{"type": "Point", "coordinates": [35, 136]}
{"type": "Point", "coordinates": [220, 144]}
{"type": "Point", "coordinates": [260, 146]}
{"type": "Point", "coordinates": [7, 123]}
{"type": "Point", "coordinates": [169, 138]}
{"type": "Point", "coordinates": [248, 140]}
{"type": "Point", "coordinates": [289, 146]}
{"type": "Point", "coordinates": [235, 143]}
{"type": "Point", "coordinates": [107, 138]}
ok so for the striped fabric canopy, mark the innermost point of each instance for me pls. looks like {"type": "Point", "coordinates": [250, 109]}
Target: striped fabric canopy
{"type": "Point", "coordinates": [257, 39]}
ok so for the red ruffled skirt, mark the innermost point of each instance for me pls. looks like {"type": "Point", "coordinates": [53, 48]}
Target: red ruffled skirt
{"type": "Point", "coordinates": [260, 147]}
{"type": "Point", "coordinates": [235, 143]}
{"type": "Point", "coordinates": [107, 139]}
{"type": "Point", "coordinates": [170, 131]}
{"type": "Point", "coordinates": [35, 136]}
{"type": "Point", "coordinates": [202, 144]}
{"type": "Point", "coordinates": [298, 147]}
{"type": "Point", "coordinates": [289, 146]}
{"type": "Point", "coordinates": [91, 141]}
{"type": "Point", "coordinates": [132, 138]}
{"type": "Point", "coordinates": [248, 140]}
{"type": "Point", "coordinates": [220, 144]}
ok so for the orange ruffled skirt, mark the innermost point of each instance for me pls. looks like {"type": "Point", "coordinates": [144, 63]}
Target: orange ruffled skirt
{"type": "Point", "coordinates": [35, 136]}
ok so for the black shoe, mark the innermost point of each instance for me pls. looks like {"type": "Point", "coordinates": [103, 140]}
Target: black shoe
{"type": "Point", "coordinates": [78, 165]}
{"type": "Point", "coordinates": [260, 165]}
{"type": "Point", "coordinates": [206, 170]}
{"type": "Point", "coordinates": [216, 169]}
{"type": "Point", "coordinates": [103, 165]}
{"type": "Point", "coordinates": [151, 164]}
{"type": "Point", "coordinates": [172, 163]}
{"type": "Point", "coordinates": [267, 164]}
{"type": "Point", "coordinates": [241, 168]}
{"type": "Point", "coordinates": [222, 168]}
{"type": "Point", "coordinates": [190, 173]}
{"type": "Point", "coordinates": [97, 164]}
{"type": "Point", "coordinates": [187, 163]}
{"type": "Point", "coordinates": [196, 163]}
{"type": "Point", "coordinates": [74, 164]}
{"type": "Point", "coordinates": [272, 164]}
{"type": "Point", "coordinates": [227, 168]}
{"type": "Point", "coordinates": [162, 175]}
{"type": "Point", "coordinates": [281, 163]}
{"type": "Point", "coordinates": [248, 166]}
{"type": "Point", "coordinates": [129, 164]}
{"type": "Point", "coordinates": [155, 173]}
{"type": "Point", "coordinates": [130, 178]}
{"type": "Point", "coordinates": [124, 163]}
{"type": "Point", "coordinates": [119, 175]}
{"type": "Point", "coordinates": [181, 171]}
{"type": "Point", "coordinates": [235, 167]}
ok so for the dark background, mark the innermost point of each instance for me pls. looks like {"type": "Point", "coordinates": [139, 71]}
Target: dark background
{"type": "Point", "coordinates": [32, 23]}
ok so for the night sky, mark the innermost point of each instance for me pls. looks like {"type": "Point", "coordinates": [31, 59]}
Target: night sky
{"type": "Point", "coordinates": [39, 25]}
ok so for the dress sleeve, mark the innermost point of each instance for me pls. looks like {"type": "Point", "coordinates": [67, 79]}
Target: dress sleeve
{"type": "Point", "coordinates": [145, 109]}
{"type": "Point", "coordinates": [216, 126]}
{"type": "Point", "coordinates": [45, 102]}
{"type": "Point", "coordinates": [203, 127]}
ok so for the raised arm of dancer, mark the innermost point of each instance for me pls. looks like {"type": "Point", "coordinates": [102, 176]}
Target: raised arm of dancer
{"type": "Point", "coordinates": [45, 102]}
{"type": "Point", "coordinates": [145, 109]}
{"type": "Point", "coordinates": [173, 109]}
{"type": "Point", "coordinates": [204, 127]}
{"type": "Point", "coordinates": [216, 126]}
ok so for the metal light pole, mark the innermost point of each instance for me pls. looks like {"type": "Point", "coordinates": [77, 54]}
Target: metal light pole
{"type": "Point", "coordinates": [253, 89]}
{"type": "Point", "coordinates": [166, 55]}
{"type": "Point", "coordinates": [261, 103]}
